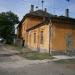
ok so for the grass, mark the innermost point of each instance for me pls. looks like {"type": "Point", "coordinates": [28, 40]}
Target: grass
{"type": "Point", "coordinates": [36, 56]}
{"type": "Point", "coordinates": [29, 54]}
{"type": "Point", "coordinates": [65, 61]}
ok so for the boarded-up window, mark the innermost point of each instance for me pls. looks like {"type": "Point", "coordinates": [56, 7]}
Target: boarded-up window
{"type": "Point", "coordinates": [41, 37]}
{"type": "Point", "coordinates": [34, 37]}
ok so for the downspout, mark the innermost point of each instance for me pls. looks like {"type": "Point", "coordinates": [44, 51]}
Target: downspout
{"type": "Point", "coordinates": [50, 25]}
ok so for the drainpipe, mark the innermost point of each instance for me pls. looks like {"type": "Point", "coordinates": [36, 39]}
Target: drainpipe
{"type": "Point", "coordinates": [50, 25]}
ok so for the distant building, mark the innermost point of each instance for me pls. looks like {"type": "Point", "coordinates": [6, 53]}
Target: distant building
{"type": "Point", "coordinates": [15, 34]}
{"type": "Point", "coordinates": [44, 32]}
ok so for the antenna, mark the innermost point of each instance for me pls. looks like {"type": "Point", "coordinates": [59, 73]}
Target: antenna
{"type": "Point", "coordinates": [37, 5]}
{"type": "Point", "coordinates": [53, 6]}
{"type": "Point", "coordinates": [67, 10]}
{"type": "Point", "coordinates": [68, 3]}
{"type": "Point", "coordinates": [42, 4]}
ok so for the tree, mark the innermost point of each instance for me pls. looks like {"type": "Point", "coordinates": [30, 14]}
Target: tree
{"type": "Point", "coordinates": [7, 22]}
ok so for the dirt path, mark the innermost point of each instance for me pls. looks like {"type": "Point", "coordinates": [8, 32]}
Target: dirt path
{"type": "Point", "coordinates": [12, 64]}
{"type": "Point", "coordinates": [9, 59]}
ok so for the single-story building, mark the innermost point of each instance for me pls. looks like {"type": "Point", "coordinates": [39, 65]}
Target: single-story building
{"type": "Point", "coordinates": [45, 32]}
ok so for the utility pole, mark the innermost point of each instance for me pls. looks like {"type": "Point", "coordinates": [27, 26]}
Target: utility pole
{"type": "Point", "coordinates": [50, 38]}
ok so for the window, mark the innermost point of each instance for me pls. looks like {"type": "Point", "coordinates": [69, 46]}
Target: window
{"type": "Point", "coordinates": [41, 37]}
{"type": "Point", "coordinates": [69, 41]}
{"type": "Point", "coordinates": [34, 37]}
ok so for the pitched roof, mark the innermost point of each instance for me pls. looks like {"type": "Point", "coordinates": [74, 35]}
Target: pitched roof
{"type": "Point", "coordinates": [63, 19]}
{"type": "Point", "coordinates": [37, 13]}
{"type": "Point", "coordinates": [40, 13]}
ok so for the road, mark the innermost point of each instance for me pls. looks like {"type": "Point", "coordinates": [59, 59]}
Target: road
{"type": "Point", "coordinates": [12, 64]}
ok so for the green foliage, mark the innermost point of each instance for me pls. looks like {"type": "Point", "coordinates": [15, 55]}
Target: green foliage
{"type": "Point", "coordinates": [65, 61]}
{"type": "Point", "coordinates": [7, 22]}
{"type": "Point", "coordinates": [34, 55]}
{"type": "Point", "coordinates": [37, 56]}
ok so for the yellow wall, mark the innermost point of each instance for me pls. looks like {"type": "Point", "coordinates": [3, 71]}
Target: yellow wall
{"type": "Point", "coordinates": [29, 22]}
{"type": "Point", "coordinates": [61, 31]}
{"type": "Point", "coordinates": [59, 35]}
{"type": "Point", "coordinates": [37, 44]}
{"type": "Point", "coordinates": [73, 32]}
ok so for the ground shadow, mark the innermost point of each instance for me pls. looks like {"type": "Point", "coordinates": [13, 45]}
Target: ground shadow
{"type": "Point", "coordinates": [7, 55]}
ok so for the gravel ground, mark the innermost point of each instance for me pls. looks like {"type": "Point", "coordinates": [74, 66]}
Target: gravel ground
{"type": "Point", "coordinates": [39, 69]}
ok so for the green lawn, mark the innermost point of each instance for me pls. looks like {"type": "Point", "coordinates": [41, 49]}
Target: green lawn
{"type": "Point", "coordinates": [36, 56]}
{"type": "Point", "coordinates": [65, 61]}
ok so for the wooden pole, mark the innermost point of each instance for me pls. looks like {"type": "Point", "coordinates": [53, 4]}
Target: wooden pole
{"type": "Point", "coordinates": [50, 25]}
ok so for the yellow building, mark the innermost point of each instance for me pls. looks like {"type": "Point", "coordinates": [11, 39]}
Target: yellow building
{"type": "Point", "coordinates": [45, 32]}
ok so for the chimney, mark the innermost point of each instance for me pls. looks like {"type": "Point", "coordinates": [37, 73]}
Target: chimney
{"type": "Point", "coordinates": [45, 9]}
{"type": "Point", "coordinates": [67, 12]}
{"type": "Point", "coordinates": [32, 8]}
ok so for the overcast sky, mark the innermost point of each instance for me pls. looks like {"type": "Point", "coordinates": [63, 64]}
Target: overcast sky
{"type": "Point", "coordinates": [21, 7]}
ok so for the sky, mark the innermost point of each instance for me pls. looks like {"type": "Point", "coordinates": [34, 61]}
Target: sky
{"type": "Point", "coordinates": [21, 7]}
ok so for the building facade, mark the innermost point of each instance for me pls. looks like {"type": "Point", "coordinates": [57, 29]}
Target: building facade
{"type": "Point", "coordinates": [45, 32]}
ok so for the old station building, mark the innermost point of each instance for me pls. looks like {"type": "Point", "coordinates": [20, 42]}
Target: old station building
{"type": "Point", "coordinates": [45, 32]}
